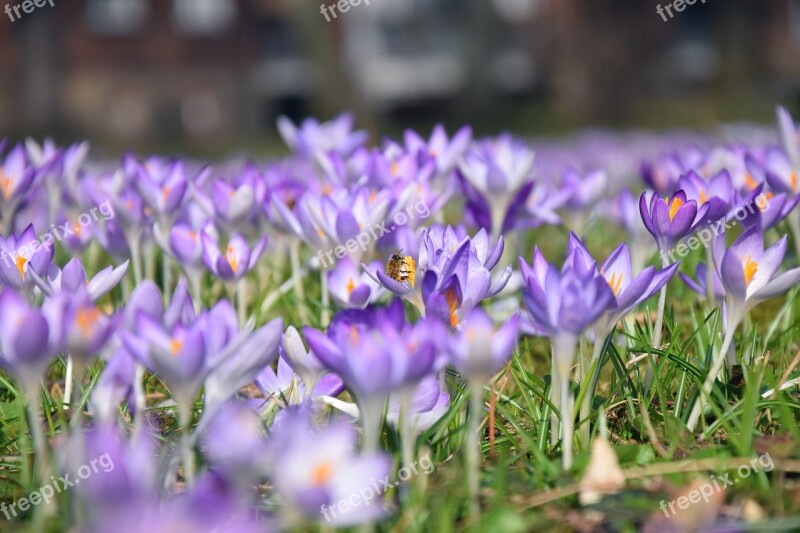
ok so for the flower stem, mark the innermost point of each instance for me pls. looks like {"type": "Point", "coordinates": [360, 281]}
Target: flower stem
{"type": "Point", "coordinates": [241, 301]}
{"type": "Point", "coordinates": [326, 299]}
{"type": "Point", "coordinates": [719, 359]}
{"type": "Point", "coordinates": [299, 292]}
{"type": "Point", "coordinates": [472, 444]}
{"type": "Point", "coordinates": [586, 403]}
{"type": "Point", "coordinates": [184, 412]}
{"type": "Point", "coordinates": [563, 357]}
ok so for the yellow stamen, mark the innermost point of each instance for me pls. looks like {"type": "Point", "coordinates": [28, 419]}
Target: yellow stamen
{"type": "Point", "coordinates": [793, 181]}
{"type": "Point", "coordinates": [751, 183]}
{"type": "Point", "coordinates": [395, 169]}
{"type": "Point", "coordinates": [615, 282]}
{"type": "Point", "coordinates": [77, 229]}
{"type": "Point", "coordinates": [750, 268]}
{"type": "Point", "coordinates": [373, 195]}
{"type": "Point", "coordinates": [321, 474]}
{"type": "Point", "coordinates": [351, 285]}
{"type": "Point", "coordinates": [230, 255]}
{"type": "Point", "coordinates": [452, 303]}
{"type": "Point", "coordinates": [703, 197]}
{"type": "Point", "coordinates": [21, 266]}
{"type": "Point", "coordinates": [673, 207]}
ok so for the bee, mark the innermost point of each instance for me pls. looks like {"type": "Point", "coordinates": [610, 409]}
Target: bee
{"type": "Point", "coordinates": [401, 268]}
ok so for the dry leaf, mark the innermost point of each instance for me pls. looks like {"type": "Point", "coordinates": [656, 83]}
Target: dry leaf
{"type": "Point", "coordinates": [603, 475]}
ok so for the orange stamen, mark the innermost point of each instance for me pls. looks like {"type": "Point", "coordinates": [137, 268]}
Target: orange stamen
{"type": "Point", "coordinates": [230, 255]}
{"type": "Point", "coordinates": [615, 282]}
{"type": "Point", "coordinates": [321, 474]}
{"type": "Point", "coordinates": [751, 183]}
{"type": "Point", "coordinates": [793, 181]}
{"type": "Point", "coordinates": [750, 268]}
{"type": "Point", "coordinates": [351, 285]}
{"type": "Point", "coordinates": [5, 185]}
{"type": "Point", "coordinates": [86, 318]}
{"type": "Point", "coordinates": [175, 346]}
{"type": "Point", "coordinates": [453, 304]}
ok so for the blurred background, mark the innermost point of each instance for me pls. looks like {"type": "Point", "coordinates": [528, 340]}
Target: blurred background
{"type": "Point", "coordinates": [211, 76]}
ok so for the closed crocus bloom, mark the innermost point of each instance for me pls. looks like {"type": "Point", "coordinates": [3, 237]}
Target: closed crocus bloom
{"type": "Point", "coordinates": [479, 349]}
{"type": "Point", "coordinates": [186, 246]}
{"type": "Point", "coordinates": [161, 184]}
{"type": "Point", "coordinates": [72, 280]}
{"type": "Point", "coordinates": [698, 283]}
{"type": "Point", "coordinates": [790, 136]}
{"type": "Point", "coordinates": [235, 443]}
{"type": "Point", "coordinates": [672, 218]}
{"type": "Point", "coordinates": [16, 177]}
{"type": "Point", "coordinates": [30, 338]}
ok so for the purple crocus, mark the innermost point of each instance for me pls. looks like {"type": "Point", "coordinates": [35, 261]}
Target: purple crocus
{"type": "Point", "coordinates": [316, 470]}
{"type": "Point", "coordinates": [479, 349]}
{"type": "Point", "coordinates": [671, 219]}
{"type": "Point", "coordinates": [72, 280]}
{"type": "Point", "coordinates": [350, 287]}
{"type": "Point", "coordinates": [749, 276]}
{"type": "Point", "coordinates": [445, 152]}
{"type": "Point", "coordinates": [376, 352]}
{"type": "Point", "coordinates": [564, 305]}
{"type": "Point", "coordinates": [699, 283]}
{"type": "Point", "coordinates": [30, 338]}
{"type": "Point", "coordinates": [312, 137]}
{"type": "Point", "coordinates": [16, 177]}
{"type": "Point", "coordinates": [237, 260]}
{"type": "Point", "coordinates": [449, 274]}
{"type": "Point", "coordinates": [23, 252]}
{"type": "Point", "coordinates": [499, 171]}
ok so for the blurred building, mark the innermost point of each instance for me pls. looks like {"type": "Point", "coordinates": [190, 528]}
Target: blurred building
{"type": "Point", "coordinates": [203, 69]}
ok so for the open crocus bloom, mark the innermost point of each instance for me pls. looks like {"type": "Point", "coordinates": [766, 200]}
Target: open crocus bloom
{"type": "Point", "coordinates": [237, 260]}
{"type": "Point", "coordinates": [748, 271]}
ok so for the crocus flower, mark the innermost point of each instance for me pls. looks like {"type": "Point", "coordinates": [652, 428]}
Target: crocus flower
{"type": "Point", "coordinates": [749, 276]}
{"type": "Point", "coordinates": [500, 171]}
{"type": "Point", "coordinates": [29, 338]}
{"type": "Point", "coordinates": [445, 152]}
{"type": "Point", "coordinates": [238, 259]}
{"type": "Point", "coordinates": [16, 177]}
{"type": "Point", "coordinates": [314, 470]}
{"type": "Point", "coordinates": [376, 352]}
{"type": "Point", "coordinates": [236, 444]}
{"type": "Point", "coordinates": [72, 279]}
{"type": "Point", "coordinates": [479, 349]}
{"type": "Point", "coordinates": [162, 185]}
{"type": "Point", "coordinates": [312, 137]}
{"type": "Point", "coordinates": [23, 252]}
{"type": "Point", "coordinates": [351, 288]}
{"type": "Point", "coordinates": [450, 274]}
{"type": "Point", "coordinates": [429, 404]}
{"type": "Point", "coordinates": [671, 219]}
{"type": "Point", "coordinates": [564, 305]}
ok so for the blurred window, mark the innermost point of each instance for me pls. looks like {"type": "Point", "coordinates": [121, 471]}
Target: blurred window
{"type": "Point", "coordinates": [116, 17]}
{"type": "Point", "coordinates": [203, 18]}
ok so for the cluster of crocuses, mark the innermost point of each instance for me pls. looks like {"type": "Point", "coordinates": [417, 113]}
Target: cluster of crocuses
{"type": "Point", "coordinates": [207, 249]}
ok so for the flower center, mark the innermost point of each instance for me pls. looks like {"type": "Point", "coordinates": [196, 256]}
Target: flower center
{"type": "Point", "coordinates": [615, 282]}
{"type": "Point", "coordinates": [703, 197]}
{"type": "Point", "coordinates": [21, 266]}
{"type": "Point", "coordinates": [5, 185]}
{"type": "Point", "coordinates": [175, 346]}
{"type": "Point", "coordinates": [751, 183]}
{"type": "Point", "coordinates": [750, 268]}
{"type": "Point", "coordinates": [321, 474]}
{"type": "Point", "coordinates": [86, 318]}
{"type": "Point", "coordinates": [673, 207]}
{"type": "Point", "coordinates": [452, 303]}
{"type": "Point", "coordinates": [230, 255]}
{"type": "Point", "coordinates": [793, 180]}
{"type": "Point", "coordinates": [351, 285]}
